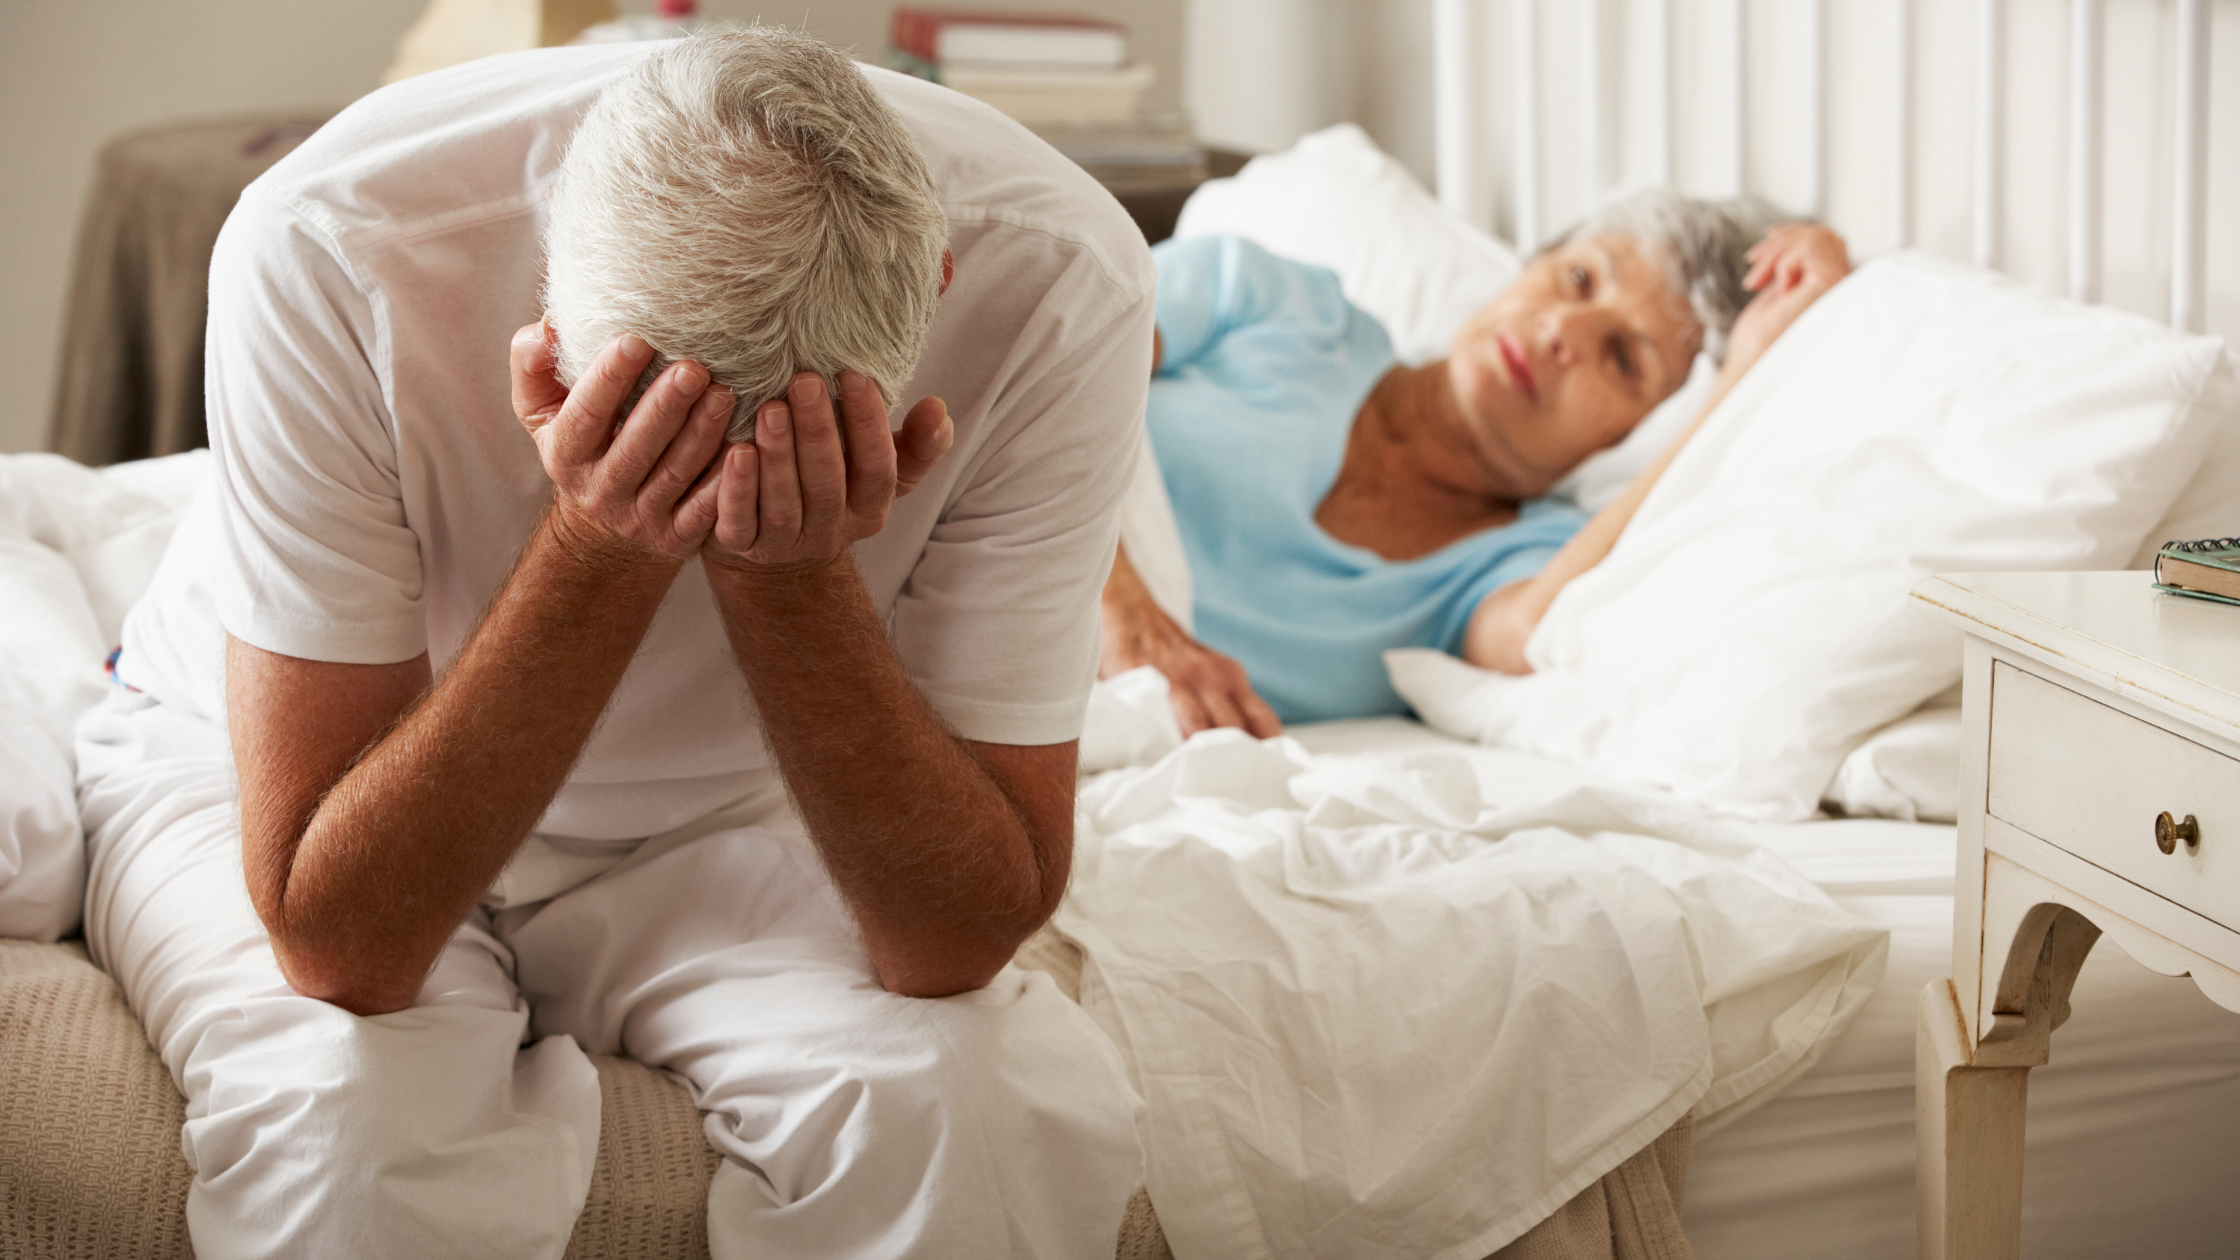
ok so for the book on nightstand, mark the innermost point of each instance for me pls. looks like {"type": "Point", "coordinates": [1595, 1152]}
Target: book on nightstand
{"type": "Point", "coordinates": [1045, 40]}
{"type": "Point", "coordinates": [2208, 568]}
{"type": "Point", "coordinates": [1046, 70]}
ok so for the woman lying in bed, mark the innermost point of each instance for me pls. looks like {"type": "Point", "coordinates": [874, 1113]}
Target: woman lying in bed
{"type": "Point", "coordinates": [1334, 504]}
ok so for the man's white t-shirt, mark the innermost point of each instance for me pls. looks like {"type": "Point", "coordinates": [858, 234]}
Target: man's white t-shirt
{"type": "Point", "coordinates": [373, 486]}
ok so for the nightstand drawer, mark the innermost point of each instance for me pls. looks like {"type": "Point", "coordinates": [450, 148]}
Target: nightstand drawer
{"type": "Point", "coordinates": [2092, 779]}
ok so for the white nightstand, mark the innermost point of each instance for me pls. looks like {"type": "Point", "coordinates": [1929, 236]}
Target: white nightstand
{"type": "Point", "coordinates": [2099, 792]}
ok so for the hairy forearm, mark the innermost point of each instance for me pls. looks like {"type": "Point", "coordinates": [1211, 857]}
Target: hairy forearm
{"type": "Point", "coordinates": [942, 869]}
{"type": "Point", "coordinates": [396, 853]}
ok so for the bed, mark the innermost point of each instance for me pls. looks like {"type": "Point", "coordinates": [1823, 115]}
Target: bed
{"type": "Point", "coordinates": [2127, 1154]}
{"type": "Point", "coordinates": [2125, 1150]}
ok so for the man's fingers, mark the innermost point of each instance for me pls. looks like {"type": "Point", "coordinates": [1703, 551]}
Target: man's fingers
{"type": "Point", "coordinates": [871, 455]}
{"type": "Point", "coordinates": [927, 434]}
{"type": "Point", "coordinates": [537, 392]}
{"type": "Point", "coordinates": [821, 460]}
{"type": "Point", "coordinates": [587, 418]}
{"type": "Point", "coordinates": [738, 495]}
{"type": "Point", "coordinates": [653, 424]}
{"type": "Point", "coordinates": [684, 464]}
{"type": "Point", "coordinates": [697, 510]}
{"type": "Point", "coordinates": [778, 481]}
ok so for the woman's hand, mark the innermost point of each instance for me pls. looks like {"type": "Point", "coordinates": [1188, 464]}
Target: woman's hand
{"type": "Point", "coordinates": [643, 487]}
{"type": "Point", "coordinates": [1789, 270]}
{"type": "Point", "coordinates": [1205, 688]}
{"type": "Point", "coordinates": [801, 493]}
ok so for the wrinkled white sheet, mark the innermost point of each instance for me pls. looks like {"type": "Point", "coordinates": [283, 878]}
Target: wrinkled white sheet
{"type": "Point", "coordinates": [1384, 1004]}
{"type": "Point", "coordinates": [76, 547]}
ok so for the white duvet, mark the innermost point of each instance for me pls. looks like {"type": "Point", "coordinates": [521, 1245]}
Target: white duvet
{"type": "Point", "coordinates": [1408, 1004]}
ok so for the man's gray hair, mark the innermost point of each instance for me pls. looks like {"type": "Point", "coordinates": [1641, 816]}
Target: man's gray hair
{"type": "Point", "coordinates": [746, 201]}
{"type": "Point", "coordinates": [1700, 244]}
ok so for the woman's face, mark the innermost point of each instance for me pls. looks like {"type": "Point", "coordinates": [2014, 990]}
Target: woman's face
{"type": "Point", "coordinates": [1586, 342]}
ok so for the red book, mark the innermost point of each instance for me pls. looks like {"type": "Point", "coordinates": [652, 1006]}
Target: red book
{"type": "Point", "coordinates": [954, 37]}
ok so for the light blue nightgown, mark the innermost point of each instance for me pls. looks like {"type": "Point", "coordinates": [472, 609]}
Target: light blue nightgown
{"type": "Point", "coordinates": [1264, 365]}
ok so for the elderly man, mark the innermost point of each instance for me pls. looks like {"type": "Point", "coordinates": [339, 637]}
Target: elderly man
{"type": "Point", "coordinates": [560, 721]}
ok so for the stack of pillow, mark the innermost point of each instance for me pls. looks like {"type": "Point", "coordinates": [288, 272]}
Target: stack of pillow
{"type": "Point", "coordinates": [76, 548]}
{"type": "Point", "coordinates": [1751, 629]}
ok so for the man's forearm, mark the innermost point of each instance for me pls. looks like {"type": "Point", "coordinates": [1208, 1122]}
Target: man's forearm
{"type": "Point", "coordinates": [946, 874]}
{"type": "Point", "coordinates": [400, 848]}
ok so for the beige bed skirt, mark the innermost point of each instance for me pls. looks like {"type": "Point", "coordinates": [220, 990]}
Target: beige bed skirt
{"type": "Point", "coordinates": [89, 1124]}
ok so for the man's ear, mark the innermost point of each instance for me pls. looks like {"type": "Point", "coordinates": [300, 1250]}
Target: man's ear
{"type": "Point", "coordinates": [948, 269]}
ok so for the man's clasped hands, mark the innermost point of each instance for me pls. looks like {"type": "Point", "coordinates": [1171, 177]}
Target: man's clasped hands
{"type": "Point", "coordinates": [665, 483]}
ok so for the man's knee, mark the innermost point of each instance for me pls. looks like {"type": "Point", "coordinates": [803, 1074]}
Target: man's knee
{"type": "Point", "coordinates": [999, 1122]}
{"type": "Point", "coordinates": [428, 1132]}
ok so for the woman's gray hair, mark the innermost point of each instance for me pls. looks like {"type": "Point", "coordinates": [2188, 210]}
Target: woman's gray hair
{"type": "Point", "coordinates": [1700, 243]}
{"type": "Point", "coordinates": [746, 201]}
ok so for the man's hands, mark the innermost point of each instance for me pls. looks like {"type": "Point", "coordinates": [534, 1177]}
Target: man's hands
{"type": "Point", "coordinates": [662, 483]}
{"type": "Point", "coordinates": [801, 493]}
{"type": "Point", "coordinates": [1789, 270]}
{"type": "Point", "coordinates": [1206, 688]}
{"type": "Point", "coordinates": [638, 487]}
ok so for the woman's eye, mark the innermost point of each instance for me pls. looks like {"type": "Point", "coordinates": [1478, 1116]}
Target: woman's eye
{"type": "Point", "coordinates": [1624, 356]}
{"type": "Point", "coordinates": [1583, 281]}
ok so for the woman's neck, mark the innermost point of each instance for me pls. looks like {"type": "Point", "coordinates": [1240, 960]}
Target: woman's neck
{"type": "Point", "coordinates": [1410, 483]}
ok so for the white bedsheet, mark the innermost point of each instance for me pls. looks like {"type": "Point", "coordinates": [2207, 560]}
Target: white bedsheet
{"type": "Point", "coordinates": [2129, 1150]}
{"type": "Point", "coordinates": [1408, 1003]}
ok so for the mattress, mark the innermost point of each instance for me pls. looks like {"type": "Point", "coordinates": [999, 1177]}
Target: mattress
{"type": "Point", "coordinates": [2127, 1151]}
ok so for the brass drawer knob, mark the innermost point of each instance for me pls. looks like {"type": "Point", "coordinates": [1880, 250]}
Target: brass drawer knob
{"type": "Point", "coordinates": [2168, 832]}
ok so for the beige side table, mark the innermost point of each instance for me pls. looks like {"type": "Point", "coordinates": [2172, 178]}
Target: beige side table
{"type": "Point", "coordinates": [2100, 793]}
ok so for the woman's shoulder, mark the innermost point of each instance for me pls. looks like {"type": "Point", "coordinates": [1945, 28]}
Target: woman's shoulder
{"type": "Point", "coordinates": [1241, 267]}
{"type": "Point", "coordinates": [1550, 513]}
{"type": "Point", "coordinates": [1541, 524]}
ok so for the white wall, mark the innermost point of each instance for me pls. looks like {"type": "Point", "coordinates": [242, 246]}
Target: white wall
{"type": "Point", "coordinates": [74, 73]}
{"type": "Point", "coordinates": [1261, 73]}
{"type": "Point", "coordinates": [1374, 59]}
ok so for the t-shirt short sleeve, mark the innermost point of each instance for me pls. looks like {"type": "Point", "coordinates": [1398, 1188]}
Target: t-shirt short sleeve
{"type": "Point", "coordinates": [998, 623]}
{"type": "Point", "coordinates": [1538, 533]}
{"type": "Point", "coordinates": [1212, 286]}
{"type": "Point", "coordinates": [318, 560]}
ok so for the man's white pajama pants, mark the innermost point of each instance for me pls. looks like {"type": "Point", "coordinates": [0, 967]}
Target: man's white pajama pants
{"type": "Point", "coordinates": [853, 1122]}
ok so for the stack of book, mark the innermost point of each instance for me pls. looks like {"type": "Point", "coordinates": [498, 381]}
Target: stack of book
{"type": "Point", "coordinates": [1045, 70]}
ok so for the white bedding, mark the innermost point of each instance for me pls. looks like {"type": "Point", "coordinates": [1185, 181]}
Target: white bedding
{"type": "Point", "coordinates": [2128, 1149]}
{"type": "Point", "coordinates": [1407, 1003]}
{"type": "Point", "coordinates": [2129, 1140]}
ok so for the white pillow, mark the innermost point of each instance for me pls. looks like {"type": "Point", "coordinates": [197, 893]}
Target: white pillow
{"type": "Point", "coordinates": [50, 670]}
{"type": "Point", "coordinates": [42, 854]}
{"type": "Point", "coordinates": [2209, 506]}
{"type": "Point", "coordinates": [1908, 770]}
{"type": "Point", "coordinates": [76, 548]}
{"type": "Point", "coordinates": [1337, 200]}
{"type": "Point", "coordinates": [1752, 625]}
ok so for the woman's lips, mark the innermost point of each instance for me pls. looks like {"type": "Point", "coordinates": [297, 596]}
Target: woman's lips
{"type": "Point", "coordinates": [1519, 365]}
